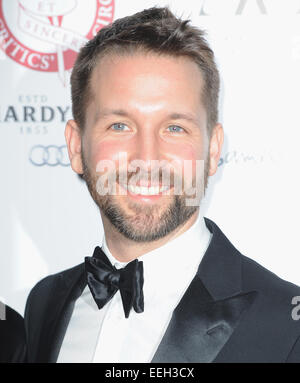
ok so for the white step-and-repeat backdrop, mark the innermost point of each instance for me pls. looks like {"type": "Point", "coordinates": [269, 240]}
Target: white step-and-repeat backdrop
{"type": "Point", "coordinates": [49, 222]}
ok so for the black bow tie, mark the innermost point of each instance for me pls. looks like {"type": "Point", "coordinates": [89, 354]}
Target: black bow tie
{"type": "Point", "coordinates": [104, 280]}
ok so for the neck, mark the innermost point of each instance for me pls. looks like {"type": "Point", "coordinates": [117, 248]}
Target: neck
{"type": "Point", "coordinates": [126, 250]}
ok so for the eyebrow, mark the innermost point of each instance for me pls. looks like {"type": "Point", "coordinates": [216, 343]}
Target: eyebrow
{"type": "Point", "coordinates": [120, 112]}
{"type": "Point", "coordinates": [183, 116]}
{"type": "Point", "coordinates": [100, 114]}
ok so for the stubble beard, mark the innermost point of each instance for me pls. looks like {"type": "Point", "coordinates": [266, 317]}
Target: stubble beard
{"type": "Point", "coordinates": [145, 223]}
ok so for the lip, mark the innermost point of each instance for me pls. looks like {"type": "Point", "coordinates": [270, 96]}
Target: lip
{"type": "Point", "coordinates": [145, 197]}
{"type": "Point", "coordinates": [147, 184]}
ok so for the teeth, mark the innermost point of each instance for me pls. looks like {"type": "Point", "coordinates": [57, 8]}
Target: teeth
{"type": "Point", "coordinates": [142, 190]}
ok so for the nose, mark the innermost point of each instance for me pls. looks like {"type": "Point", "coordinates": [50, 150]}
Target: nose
{"type": "Point", "coordinates": [148, 147]}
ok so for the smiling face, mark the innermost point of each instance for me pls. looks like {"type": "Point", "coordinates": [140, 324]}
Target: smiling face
{"type": "Point", "coordinates": [147, 107]}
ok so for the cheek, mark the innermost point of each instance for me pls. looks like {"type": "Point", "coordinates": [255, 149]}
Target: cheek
{"type": "Point", "coordinates": [184, 157]}
{"type": "Point", "coordinates": [105, 151]}
{"type": "Point", "coordinates": [183, 152]}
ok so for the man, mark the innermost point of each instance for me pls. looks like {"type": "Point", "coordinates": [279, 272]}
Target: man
{"type": "Point", "coordinates": [12, 336]}
{"type": "Point", "coordinates": [167, 285]}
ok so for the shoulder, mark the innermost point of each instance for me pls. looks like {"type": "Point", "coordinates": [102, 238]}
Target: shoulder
{"type": "Point", "coordinates": [277, 304]}
{"type": "Point", "coordinates": [275, 311]}
{"type": "Point", "coordinates": [44, 303]}
{"type": "Point", "coordinates": [12, 335]}
{"type": "Point", "coordinates": [256, 276]}
{"type": "Point", "coordinates": [277, 307]}
{"type": "Point", "coordinates": [43, 291]}
{"type": "Point", "coordinates": [49, 283]}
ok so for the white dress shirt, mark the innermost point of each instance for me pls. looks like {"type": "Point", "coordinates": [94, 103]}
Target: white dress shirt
{"type": "Point", "coordinates": [105, 335]}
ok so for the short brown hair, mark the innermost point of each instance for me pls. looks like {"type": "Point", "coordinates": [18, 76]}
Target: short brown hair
{"type": "Point", "coordinates": [153, 30]}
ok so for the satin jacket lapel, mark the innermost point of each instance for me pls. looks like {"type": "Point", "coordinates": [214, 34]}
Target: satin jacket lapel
{"type": "Point", "coordinates": [198, 331]}
{"type": "Point", "coordinates": [211, 308]}
{"type": "Point", "coordinates": [69, 287]}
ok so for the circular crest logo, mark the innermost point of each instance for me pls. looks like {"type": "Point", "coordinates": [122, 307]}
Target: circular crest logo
{"type": "Point", "coordinates": [46, 35]}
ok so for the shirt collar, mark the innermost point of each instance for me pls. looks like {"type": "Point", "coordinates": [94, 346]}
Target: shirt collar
{"type": "Point", "coordinates": [169, 269]}
{"type": "Point", "coordinates": [194, 240]}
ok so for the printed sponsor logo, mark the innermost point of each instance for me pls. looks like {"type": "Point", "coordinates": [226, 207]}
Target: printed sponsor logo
{"type": "Point", "coordinates": [47, 35]}
{"type": "Point", "coordinates": [49, 155]}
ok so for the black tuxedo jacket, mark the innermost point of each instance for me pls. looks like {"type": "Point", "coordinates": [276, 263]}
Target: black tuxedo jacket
{"type": "Point", "coordinates": [234, 310]}
{"type": "Point", "coordinates": [12, 337]}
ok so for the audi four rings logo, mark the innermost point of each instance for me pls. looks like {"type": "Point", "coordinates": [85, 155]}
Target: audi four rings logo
{"type": "Point", "coordinates": [51, 155]}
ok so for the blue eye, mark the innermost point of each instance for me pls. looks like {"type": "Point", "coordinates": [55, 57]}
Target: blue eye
{"type": "Point", "coordinates": [119, 127]}
{"type": "Point", "coordinates": [175, 129]}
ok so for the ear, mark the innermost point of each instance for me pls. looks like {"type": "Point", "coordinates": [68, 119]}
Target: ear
{"type": "Point", "coordinates": [215, 148]}
{"type": "Point", "coordinates": [73, 140]}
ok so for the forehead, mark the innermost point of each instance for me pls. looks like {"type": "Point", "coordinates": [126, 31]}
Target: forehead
{"type": "Point", "coordinates": [147, 78]}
